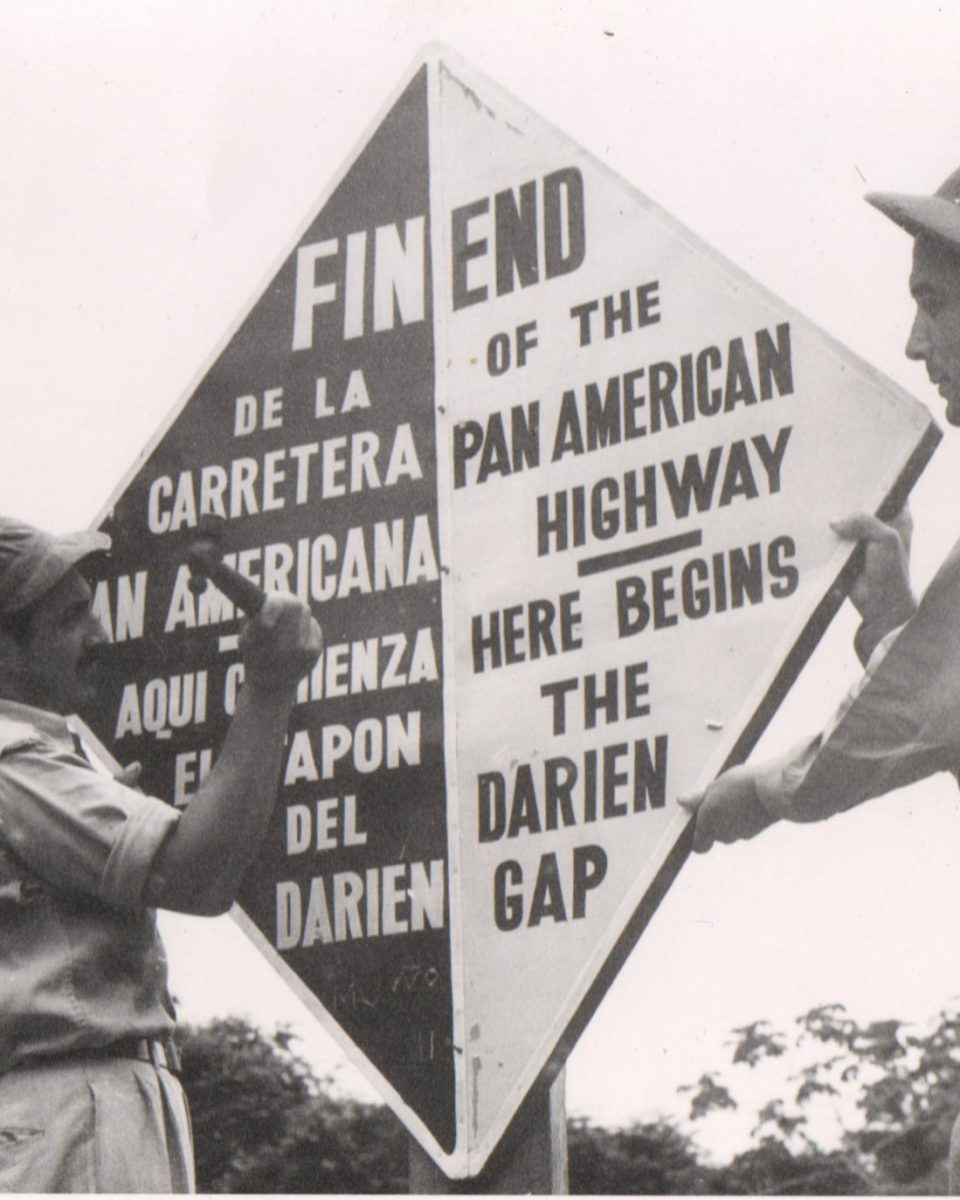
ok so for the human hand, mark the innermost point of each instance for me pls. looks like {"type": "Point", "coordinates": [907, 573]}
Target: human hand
{"type": "Point", "coordinates": [728, 810]}
{"type": "Point", "coordinates": [129, 775]}
{"type": "Point", "coordinates": [280, 644]}
{"type": "Point", "coordinates": [881, 592]}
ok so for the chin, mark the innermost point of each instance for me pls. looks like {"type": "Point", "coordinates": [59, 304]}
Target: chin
{"type": "Point", "coordinates": [953, 413]}
{"type": "Point", "coordinates": [77, 699]}
{"type": "Point", "coordinates": [86, 697]}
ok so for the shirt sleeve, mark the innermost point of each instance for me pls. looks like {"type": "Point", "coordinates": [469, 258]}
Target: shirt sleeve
{"type": "Point", "coordinates": [898, 724]}
{"type": "Point", "coordinates": [78, 829]}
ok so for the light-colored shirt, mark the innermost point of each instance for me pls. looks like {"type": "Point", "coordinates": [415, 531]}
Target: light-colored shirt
{"type": "Point", "coordinates": [900, 722]}
{"type": "Point", "coordinates": [81, 962]}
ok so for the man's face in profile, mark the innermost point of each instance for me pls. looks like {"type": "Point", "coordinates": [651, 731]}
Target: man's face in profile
{"type": "Point", "coordinates": [53, 666]}
{"type": "Point", "coordinates": [935, 336]}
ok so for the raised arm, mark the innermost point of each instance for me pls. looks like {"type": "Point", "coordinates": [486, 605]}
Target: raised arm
{"type": "Point", "coordinates": [200, 866]}
{"type": "Point", "coordinates": [881, 592]}
{"type": "Point", "coordinates": [900, 723]}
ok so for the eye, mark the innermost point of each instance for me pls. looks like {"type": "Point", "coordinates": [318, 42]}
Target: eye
{"type": "Point", "coordinates": [930, 303]}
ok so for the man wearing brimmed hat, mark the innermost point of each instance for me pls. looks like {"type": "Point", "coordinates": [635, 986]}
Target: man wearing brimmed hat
{"type": "Point", "coordinates": [934, 222]}
{"type": "Point", "coordinates": [905, 724]}
{"type": "Point", "coordinates": [89, 1099]}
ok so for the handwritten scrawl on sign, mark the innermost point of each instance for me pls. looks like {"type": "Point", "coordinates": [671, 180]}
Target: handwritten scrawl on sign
{"type": "Point", "coordinates": [556, 479]}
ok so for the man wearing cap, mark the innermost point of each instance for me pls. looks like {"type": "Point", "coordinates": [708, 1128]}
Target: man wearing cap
{"type": "Point", "coordinates": [89, 1099]}
{"type": "Point", "coordinates": [901, 722]}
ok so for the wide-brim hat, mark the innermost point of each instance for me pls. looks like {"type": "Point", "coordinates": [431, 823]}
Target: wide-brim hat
{"type": "Point", "coordinates": [32, 561]}
{"type": "Point", "coordinates": [938, 215]}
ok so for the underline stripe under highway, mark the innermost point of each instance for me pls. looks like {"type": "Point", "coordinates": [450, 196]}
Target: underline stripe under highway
{"type": "Point", "coordinates": [624, 558]}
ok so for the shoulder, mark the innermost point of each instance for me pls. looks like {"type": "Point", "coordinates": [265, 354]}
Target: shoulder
{"type": "Point", "coordinates": [18, 735]}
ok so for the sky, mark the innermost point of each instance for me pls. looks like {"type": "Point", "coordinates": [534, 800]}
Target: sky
{"type": "Point", "coordinates": [158, 157]}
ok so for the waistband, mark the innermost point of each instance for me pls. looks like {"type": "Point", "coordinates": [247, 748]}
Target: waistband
{"type": "Point", "coordinates": [161, 1052]}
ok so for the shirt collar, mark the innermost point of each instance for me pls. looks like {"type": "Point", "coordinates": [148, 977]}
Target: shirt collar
{"type": "Point", "coordinates": [49, 723]}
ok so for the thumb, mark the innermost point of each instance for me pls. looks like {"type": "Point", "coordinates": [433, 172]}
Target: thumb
{"type": "Point", "coordinates": [691, 801]}
{"type": "Point", "coordinates": [861, 527]}
{"type": "Point", "coordinates": [130, 774]}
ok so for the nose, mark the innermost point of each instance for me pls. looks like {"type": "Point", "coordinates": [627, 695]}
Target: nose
{"type": "Point", "coordinates": [918, 343]}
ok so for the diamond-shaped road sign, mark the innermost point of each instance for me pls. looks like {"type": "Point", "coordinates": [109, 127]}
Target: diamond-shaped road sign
{"type": "Point", "coordinates": [556, 478]}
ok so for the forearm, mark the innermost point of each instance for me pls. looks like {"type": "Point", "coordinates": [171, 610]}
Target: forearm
{"type": "Point", "coordinates": [881, 591]}
{"type": "Point", "coordinates": [201, 866]}
{"type": "Point", "coordinates": [840, 778]}
{"type": "Point", "coordinates": [819, 777]}
{"type": "Point", "coordinates": [872, 631]}
{"type": "Point", "coordinates": [899, 724]}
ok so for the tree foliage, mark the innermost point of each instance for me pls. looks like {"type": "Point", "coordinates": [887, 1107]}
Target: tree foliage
{"type": "Point", "coordinates": [894, 1089]}
{"type": "Point", "coordinates": [652, 1159]}
{"type": "Point", "coordinates": [264, 1122]}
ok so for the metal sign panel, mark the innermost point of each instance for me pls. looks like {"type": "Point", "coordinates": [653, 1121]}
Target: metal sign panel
{"type": "Point", "coordinates": [556, 478]}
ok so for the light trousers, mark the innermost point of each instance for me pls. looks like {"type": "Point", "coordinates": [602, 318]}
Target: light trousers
{"type": "Point", "coordinates": [94, 1125]}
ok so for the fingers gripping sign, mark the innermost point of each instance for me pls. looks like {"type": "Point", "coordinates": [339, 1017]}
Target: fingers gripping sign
{"type": "Point", "coordinates": [728, 810]}
{"type": "Point", "coordinates": [202, 864]}
{"type": "Point", "coordinates": [280, 644]}
{"type": "Point", "coordinates": [881, 592]}
{"type": "Point", "coordinates": [129, 775]}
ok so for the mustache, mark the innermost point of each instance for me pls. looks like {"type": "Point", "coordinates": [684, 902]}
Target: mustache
{"type": "Point", "coordinates": [93, 657]}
